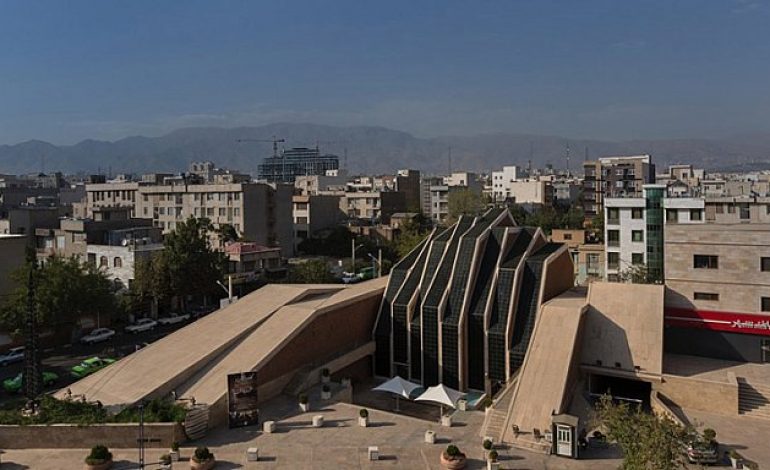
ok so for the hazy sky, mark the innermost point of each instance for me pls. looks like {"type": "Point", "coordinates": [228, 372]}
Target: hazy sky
{"type": "Point", "coordinates": [614, 69]}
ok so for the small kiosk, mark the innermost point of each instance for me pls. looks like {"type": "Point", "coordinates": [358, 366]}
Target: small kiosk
{"type": "Point", "coordinates": [564, 435]}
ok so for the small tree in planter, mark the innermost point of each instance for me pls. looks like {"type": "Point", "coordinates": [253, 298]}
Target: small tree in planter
{"type": "Point", "coordinates": [492, 463]}
{"type": "Point", "coordinates": [452, 458]}
{"type": "Point", "coordinates": [174, 452]}
{"type": "Point", "coordinates": [202, 459]}
{"type": "Point", "coordinates": [487, 444]}
{"type": "Point", "coordinates": [363, 417]}
{"type": "Point", "coordinates": [735, 458]}
{"type": "Point", "coordinates": [165, 461]}
{"type": "Point", "coordinates": [100, 458]}
{"type": "Point", "coordinates": [325, 375]}
{"type": "Point", "coordinates": [303, 402]}
{"type": "Point", "coordinates": [326, 392]}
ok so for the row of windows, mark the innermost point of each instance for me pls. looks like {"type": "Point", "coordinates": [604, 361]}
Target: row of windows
{"type": "Point", "coordinates": [613, 259]}
{"type": "Point", "coordinates": [118, 194]}
{"type": "Point", "coordinates": [712, 262]}
{"type": "Point", "coordinates": [177, 197]}
{"type": "Point", "coordinates": [714, 297]}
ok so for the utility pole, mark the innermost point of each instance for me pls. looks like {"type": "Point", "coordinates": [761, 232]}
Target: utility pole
{"type": "Point", "coordinates": [141, 434]}
{"type": "Point", "coordinates": [32, 377]}
{"type": "Point", "coordinates": [353, 256]}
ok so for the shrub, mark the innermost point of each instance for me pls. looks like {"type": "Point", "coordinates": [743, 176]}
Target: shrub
{"type": "Point", "coordinates": [175, 446]}
{"type": "Point", "coordinates": [202, 454]}
{"type": "Point", "coordinates": [363, 412]}
{"type": "Point", "coordinates": [325, 388]}
{"type": "Point", "coordinates": [165, 459]}
{"type": "Point", "coordinates": [486, 402]}
{"type": "Point", "coordinates": [99, 454]}
{"type": "Point", "coordinates": [325, 372]}
{"type": "Point", "coordinates": [493, 455]}
{"type": "Point", "coordinates": [452, 450]}
{"type": "Point", "coordinates": [487, 444]}
{"type": "Point", "coordinates": [303, 398]}
{"type": "Point", "coordinates": [709, 434]}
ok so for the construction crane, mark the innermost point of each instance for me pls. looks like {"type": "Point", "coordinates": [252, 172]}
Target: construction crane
{"type": "Point", "coordinates": [274, 140]}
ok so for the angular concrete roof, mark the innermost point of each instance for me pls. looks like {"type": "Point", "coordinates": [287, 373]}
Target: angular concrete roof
{"type": "Point", "coordinates": [196, 358]}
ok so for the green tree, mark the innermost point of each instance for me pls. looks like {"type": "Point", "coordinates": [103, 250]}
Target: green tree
{"type": "Point", "coordinates": [639, 274]}
{"type": "Point", "coordinates": [66, 290]}
{"type": "Point", "coordinates": [597, 226]}
{"type": "Point", "coordinates": [226, 233]}
{"type": "Point", "coordinates": [648, 441]}
{"type": "Point", "coordinates": [310, 272]}
{"type": "Point", "coordinates": [193, 267]}
{"type": "Point", "coordinates": [464, 202]}
{"type": "Point", "coordinates": [152, 281]}
{"type": "Point", "coordinates": [410, 235]}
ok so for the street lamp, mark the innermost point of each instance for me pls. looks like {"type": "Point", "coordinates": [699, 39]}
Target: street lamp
{"type": "Point", "coordinates": [353, 249]}
{"type": "Point", "coordinates": [377, 260]}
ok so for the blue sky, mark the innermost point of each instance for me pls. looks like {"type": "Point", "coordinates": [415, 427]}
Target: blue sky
{"type": "Point", "coordinates": [612, 69]}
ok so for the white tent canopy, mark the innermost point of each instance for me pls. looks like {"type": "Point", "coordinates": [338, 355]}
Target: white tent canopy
{"type": "Point", "coordinates": [442, 395]}
{"type": "Point", "coordinates": [397, 386]}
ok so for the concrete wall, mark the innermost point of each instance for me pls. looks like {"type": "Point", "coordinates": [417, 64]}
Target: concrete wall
{"type": "Point", "coordinates": [69, 436]}
{"type": "Point", "coordinates": [713, 397]}
{"type": "Point", "coordinates": [624, 324]}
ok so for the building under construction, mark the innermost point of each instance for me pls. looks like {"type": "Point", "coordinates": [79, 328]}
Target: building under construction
{"type": "Point", "coordinates": [299, 161]}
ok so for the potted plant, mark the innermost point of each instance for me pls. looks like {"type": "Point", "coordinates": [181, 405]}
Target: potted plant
{"type": "Point", "coordinates": [174, 452]}
{"type": "Point", "coordinates": [492, 463]}
{"type": "Point", "coordinates": [326, 392]}
{"type": "Point", "coordinates": [165, 461]}
{"type": "Point", "coordinates": [452, 458]}
{"type": "Point", "coordinates": [325, 375]}
{"type": "Point", "coordinates": [487, 444]}
{"type": "Point", "coordinates": [303, 402]}
{"type": "Point", "coordinates": [202, 459]}
{"type": "Point", "coordinates": [100, 458]}
{"type": "Point", "coordinates": [735, 458]}
{"type": "Point", "coordinates": [363, 417]}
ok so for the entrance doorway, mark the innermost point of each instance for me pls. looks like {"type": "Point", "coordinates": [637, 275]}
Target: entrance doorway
{"type": "Point", "coordinates": [564, 440]}
{"type": "Point", "coordinates": [619, 388]}
{"type": "Point", "coordinates": [765, 345]}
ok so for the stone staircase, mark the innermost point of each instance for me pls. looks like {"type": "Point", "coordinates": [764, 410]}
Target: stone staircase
{"type": "Point", "coordinates": [496, 414]}
{"type": "Point", "coordinates": [753, 400]}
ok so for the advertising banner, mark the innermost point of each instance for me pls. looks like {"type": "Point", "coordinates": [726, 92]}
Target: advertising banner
{"type": "Point", "coordinates": [242, 399]}
{"type": "Point", "coordinates": [730, 322]}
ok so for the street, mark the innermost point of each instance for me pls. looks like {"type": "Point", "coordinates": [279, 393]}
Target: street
{"type": "Point", "coordinates": [60, 359]}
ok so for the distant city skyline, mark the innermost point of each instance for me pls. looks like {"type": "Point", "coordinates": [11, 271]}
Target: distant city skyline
{"type": "Point", "coordinates": [596, 69]}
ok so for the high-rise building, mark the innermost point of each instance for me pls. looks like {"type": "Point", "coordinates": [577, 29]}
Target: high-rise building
{"type": "Point", "coordinates": [300, 161]}
{"type": "Point", "coordinates": [614, 177]}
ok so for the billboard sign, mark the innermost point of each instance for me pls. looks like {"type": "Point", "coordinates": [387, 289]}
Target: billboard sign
{"type": "Point", "coordinates": [730, 322]}
{"type": "Point", "coordinates": [242, 399]}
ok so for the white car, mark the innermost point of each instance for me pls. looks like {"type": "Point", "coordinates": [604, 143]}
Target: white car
{"type": "Point", "coordinates": [97, 336]}
{"type": "Point", "coordinates": [13, 355]}
{"type": "Point", "coordinates": [143, 324]}
{"type": "Point", "coordinates": [173, 318]}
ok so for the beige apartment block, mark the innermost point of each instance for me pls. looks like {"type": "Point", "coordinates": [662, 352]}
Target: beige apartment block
{"type": "Point", "coordinates": [257, 211]}
{"type": "Point", "coordinates": [722, 267]}
{"type": "Point", "coordinates": [110, 195]}
{"type": "Point", "coordinates": [738, 210]}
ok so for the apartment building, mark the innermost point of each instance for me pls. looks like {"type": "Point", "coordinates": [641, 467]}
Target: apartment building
{"type": "Point", "coordinates": [718, 290]}
{"type": "Point", "coordinates": [586, 251]}
{"type": "Point", "coordinates": [299, 161]}
{"type": "Point", "coordinates": [119, 251]}
{"type": "Point", "coordinates": [373, 206]}
{"type": "Point", "coordinates": [321, 184]}
{"type": "Point", "coordinates": [426, 202]}
{"type": "Point", "coordinates": [13, 253]}
{"type": "Point", "coordinates": [501, 181]}
{"type": "Point", "coordinates": [313, 213]}
{"type": "Point", "coordinates": [258, 212]}
{"type": "Point", "coordinates": [735, 210]}
{"type": "Point", "coordinates": [408, 182]}
{"type": "Point", "coordinates": [535, 192]}
{"type": "Point", "coordinates": [633, 233]}
{"type": "Point", "coordinates": [614, 177]}
{"type": "Point", "coordinates": [111, 195]}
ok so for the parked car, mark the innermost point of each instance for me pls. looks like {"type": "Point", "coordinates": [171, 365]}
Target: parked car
{"type": "Point", "coordinates": [13, 355]}
{"type": "Point", "coordinates": [89, 366]}
{"type": "Point", "coordinates": [13, 385]}
{"type": "Point", "coordinates": [703, 452]}
{"type": "Point", "coordinates": [97, 336]}
{"type": "Point", "coordinates": [173, 318]}
{"type": "Point", "coordinates": [202, 311]}
{"type": "Point", "coordinates": [143, 324]}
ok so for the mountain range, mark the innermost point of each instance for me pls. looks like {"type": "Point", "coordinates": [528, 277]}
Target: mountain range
{"type": "Point", "coordinates": [371, 150]}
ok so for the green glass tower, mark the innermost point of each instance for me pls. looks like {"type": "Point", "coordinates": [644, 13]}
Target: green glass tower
{"type": "Point", "coordinates": [653, 195]}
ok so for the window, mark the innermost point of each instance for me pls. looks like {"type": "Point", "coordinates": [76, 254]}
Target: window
{"type": "Point", "coordinates": [637, 258]}
{"type": "Point", "coordinates": [568, 236]}
{"type": "Point", "coordinates": [696, 214]}
{"type": "Point", "coordinates": [613, 214]}
{"type": "Point", "coordinates": [720, 208]}
{"type": "Point", "coordinates": [613, 260]}
{"type": "Point", "coordinates": [745, 214]}
{"type": "Point", "coordinates": [705, 262]}
{"type": "Point", "coordinates": [765, 304]}
{"type": "Point", "coordinates": [672, 215]}
{"type": "Point", "coordinates": [301, 220]}
{"type": "Point", "coordinates": [637, 235]}
{"type": "Point", "coordinates": [731, 208]}
{"type": "Point", "coordinates": [764, 264]}
{"type": "Point", "coordinates": [592, 262]}
{"type": "Point", "coordinates": [117, 262]}
{"type": "Point", "coordinates": [103, 262]}
{"type": "Point", "coordinates": [710, 296]}
{"type": "Point", "coordinates": [613, 237]}
{"type": "Point", "coordinates": [636, 213]}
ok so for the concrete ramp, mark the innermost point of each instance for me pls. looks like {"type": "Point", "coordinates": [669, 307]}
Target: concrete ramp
{"type": "Point", "coordinates": [167, 363]}
{"type": "Point", "coordinates": [547, 375]}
